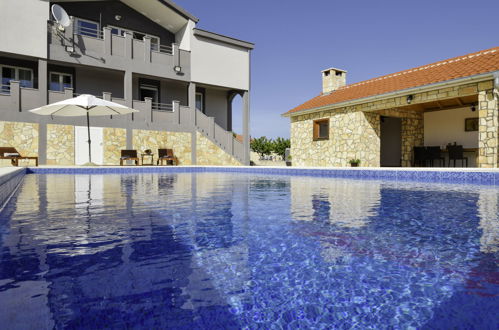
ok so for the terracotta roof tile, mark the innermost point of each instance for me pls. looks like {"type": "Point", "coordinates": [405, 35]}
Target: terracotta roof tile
{"type": "Point", "coordinates": [458, 67]}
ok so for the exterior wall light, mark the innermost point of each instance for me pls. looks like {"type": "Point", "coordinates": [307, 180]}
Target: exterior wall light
{"type": "Point", "coordinates": [473, 107]}
{"type": "Point", "coordinates": [177, 68]}
{"type": "Point", "coordinates": [117, 17]}
{"type": "Point", "coordinates": [409, 99]}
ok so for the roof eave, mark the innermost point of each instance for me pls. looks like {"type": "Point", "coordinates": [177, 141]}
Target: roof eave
{"type": "Point", "coordinates": [457, 81]}
{"type": "Point", "coordinates": [181, 11]}
{"type": "Point", "coordinates": [224, 39]}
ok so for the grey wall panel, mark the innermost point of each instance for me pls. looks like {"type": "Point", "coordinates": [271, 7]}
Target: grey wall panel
{"type": "Point", "coordinates": [109, 81]}
{"type": "Point", "coordinates": [216, 106]}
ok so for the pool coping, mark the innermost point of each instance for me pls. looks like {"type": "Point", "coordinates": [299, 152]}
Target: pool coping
{"type": "Point", "coordinates": [489, 176]}
{"type": "Point", "coordinates": [10, 180]}
{"type": "Point", "coordinates": [11, 177]}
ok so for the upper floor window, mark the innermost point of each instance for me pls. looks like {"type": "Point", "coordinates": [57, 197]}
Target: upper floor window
{"type": "Point", "coordinates": [60, 81]}
{"type": "Point", "coordinates": [87, 28]}
{"type": "Point", "coordinates": [321, 129]}
{"type": "Point", "coordinates": [23, 75]}
{"type": "Point", "coordinates": [136, 35]}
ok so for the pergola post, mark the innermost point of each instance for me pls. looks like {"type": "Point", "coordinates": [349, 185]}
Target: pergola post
{"type": "Point", "coordinates": [488, 128]}
{"type": "Point", "coordinates": [246, 128]}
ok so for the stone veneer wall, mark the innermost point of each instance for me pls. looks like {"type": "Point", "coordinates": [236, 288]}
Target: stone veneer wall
{"type": "Point", "coordinates": [180, 142]}
{"type": "Point", "coordinates": [346, 141]}
{"type": "Point", "coordinates": [114, 140]}
{"type": "Point", "coordinates": [60, 145]}
{"type": "Point", "coordinates": [352, 135]}
{"type": "Point", "coordinates": [488, 106]}
{"type": "Point", "coordinates": [208, 153]}
{"type": "Point", "coordinates": [22, 136]}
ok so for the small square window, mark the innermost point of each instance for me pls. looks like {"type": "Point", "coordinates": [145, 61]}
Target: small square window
{"type": "Point", "coordinates": [321, 129]}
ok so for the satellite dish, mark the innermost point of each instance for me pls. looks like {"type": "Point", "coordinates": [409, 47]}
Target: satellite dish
{"type": "Point", "coordinates": [61, 17]}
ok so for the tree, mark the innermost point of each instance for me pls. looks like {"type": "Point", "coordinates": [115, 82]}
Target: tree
{"type": "Point", "coordinates": [280, 145]}
{"type": "Point", "coordinates": [262, 146]}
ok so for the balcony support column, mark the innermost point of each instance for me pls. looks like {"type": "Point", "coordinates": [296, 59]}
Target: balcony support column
{"type": "Point", "coordinates": [176, 111]}
{"type": "Point", "coordinates": [150, 116]}
{"type": "Point", "coordinates": [108, 39]}
{"type": "Point", "coordinates": [15, 94]}
{"type": "Point", "coordinates": [128, 45]}
{"type": "Point", "coordinates": [42, 142]}
{"type": "Point", "coordinates": [176, 54]}
{"type": "Point", "coordinates": [192, 105]}
{"type": "Point", "coordinates": [128, 91]}
{"type": "Point", "coordinates": [246, 128]}
{"type": "Point", "coordinates": [147, 49]}
{"type": "Point", "coordinates": [42, 81]}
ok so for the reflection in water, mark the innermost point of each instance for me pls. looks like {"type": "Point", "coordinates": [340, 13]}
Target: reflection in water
{"type": "Point", "coordinates": [215, 250]}
{"type": "Point", "coordinates": [347, 203]}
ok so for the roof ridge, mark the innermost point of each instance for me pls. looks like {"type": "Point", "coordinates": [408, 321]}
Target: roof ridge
{"type": "Point", "coordinates": [423, 67]}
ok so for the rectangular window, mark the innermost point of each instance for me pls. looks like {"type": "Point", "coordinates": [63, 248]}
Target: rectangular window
{"type": "Point", "coordinates": [8, 73]}
{"type": "Point", "coordinates": [60, 81]}
{"type": "Point", "coordinates": [87, 28]}
{"type": "Point", "coordinates": [321, 129]}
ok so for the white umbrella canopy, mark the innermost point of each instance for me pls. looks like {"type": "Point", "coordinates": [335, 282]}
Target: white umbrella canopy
{"type": "Point", "coordinates": [84, 105]}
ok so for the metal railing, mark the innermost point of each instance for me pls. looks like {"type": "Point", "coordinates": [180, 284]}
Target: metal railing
{"type": "Point", "coordinates": [79, 94]}
{"type": "Point", "coordinates": [4, 89]}
{"type": "Point", "coordinates": [89, 32]}
{"type": "Point", "coordinates": [165, 49]}
{"type": "Point", "coordinates": [164, 107]}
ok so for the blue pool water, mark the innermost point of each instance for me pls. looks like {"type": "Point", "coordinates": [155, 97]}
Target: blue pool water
{"type": "Point", "coordinates": [214, 250]}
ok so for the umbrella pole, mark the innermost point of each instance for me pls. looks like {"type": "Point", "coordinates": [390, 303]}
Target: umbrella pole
{"type": "Point", "coordinates": [89, 141]}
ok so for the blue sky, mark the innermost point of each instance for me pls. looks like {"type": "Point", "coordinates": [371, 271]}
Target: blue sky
{"type": "Point", "coordinates": [295, 40]}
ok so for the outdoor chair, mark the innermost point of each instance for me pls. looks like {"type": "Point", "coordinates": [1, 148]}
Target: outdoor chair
{"type": "Point", "coordinates": [457, 153]}
{"type": "Point", "coordinates": [168, 156]}
{"type": "Point", "coordinates": [14, 156]}
{"type": "Point", "coordinates": [434, 153]}
{"type": "Point", "coordinates": [420, 156]}
{"type": "Point", "coordinates": [129, 155]}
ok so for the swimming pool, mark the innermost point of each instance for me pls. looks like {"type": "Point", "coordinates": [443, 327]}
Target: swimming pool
{"type": "Point", "coordinates": [235, 250]}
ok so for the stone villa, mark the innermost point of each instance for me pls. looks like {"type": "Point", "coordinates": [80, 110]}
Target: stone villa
{"type": "Point", "coordinates": [381, 120]}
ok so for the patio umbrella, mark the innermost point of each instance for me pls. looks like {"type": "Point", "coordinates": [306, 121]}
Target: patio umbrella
{"type": "Point", "coordinates": [84, 105]}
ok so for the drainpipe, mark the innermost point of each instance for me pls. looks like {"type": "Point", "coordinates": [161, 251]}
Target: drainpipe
{"type": "Point", "coordinates": [496, 83]}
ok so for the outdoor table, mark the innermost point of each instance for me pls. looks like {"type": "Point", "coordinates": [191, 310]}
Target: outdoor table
{"type": "Point", "coordinates": [147, 155]}
{"type": "Point", "coordinates": [466, 150]}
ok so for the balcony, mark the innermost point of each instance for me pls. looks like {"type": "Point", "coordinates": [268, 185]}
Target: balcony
{"type": "Point", "coordinates": [106, 50]}
{"type": "Point", "coordinates": [15, 102]}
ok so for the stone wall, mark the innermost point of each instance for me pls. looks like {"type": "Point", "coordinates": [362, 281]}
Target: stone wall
{"type": "Point", "coordinates": [412, 135]}
{"type": "Point", "coordinates": [114, 140]}
{"type": "Point", "coordinates": [208, 153]}
{"type": "Point", "coordinates": [488, 128]}
{"type": "Point", "coordinates": [60, 145]}
{"type": "Point", "coordinates": [22, 136]}
{"type": "Point", "coordinates": [60, 149]}
{"type": "Point", "coordinates": [180, 142]}
{"type": "Point", "coordinates": [352, 135]}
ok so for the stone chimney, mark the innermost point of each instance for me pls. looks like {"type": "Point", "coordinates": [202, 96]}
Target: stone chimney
{"type": "Point", "coordinates": [332, 79]}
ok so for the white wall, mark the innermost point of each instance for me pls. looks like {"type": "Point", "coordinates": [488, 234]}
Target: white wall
{"type": "Point", "coordinates": [184, 36]}
{"type": "Point", "coordinates": [24, 27]}
{"type": "Point", "coordinates": [447, 126]}
{"type": "Point", "coordinates": [219, 64]}
{"type": "Point", "coordinates": [216, 106]}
